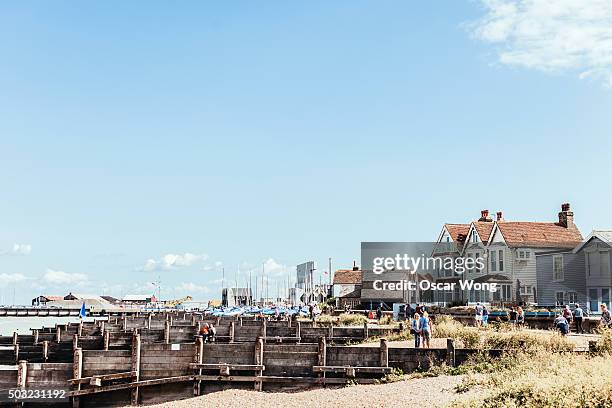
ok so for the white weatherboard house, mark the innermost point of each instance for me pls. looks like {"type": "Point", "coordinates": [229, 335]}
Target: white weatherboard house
{"type": "Point", "coordinates": [509, 249]}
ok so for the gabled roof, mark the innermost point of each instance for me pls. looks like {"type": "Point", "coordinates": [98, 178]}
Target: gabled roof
{"type": "Point", "coordinates": [604, 236]}
{"type": "Point", "coordinates": [483, 228]}
{"type": "Point", "coordinates": [539, 234]}
{"type": "Point", "coordinates": [458, 232]}
{"type": "Point", "coordinates": [53, 297]}
{"type": "Point", "coordinates": [347, 277]}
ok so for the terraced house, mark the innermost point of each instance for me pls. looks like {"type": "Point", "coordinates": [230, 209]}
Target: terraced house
{"type": "Point", "coordinates": [508, 249]}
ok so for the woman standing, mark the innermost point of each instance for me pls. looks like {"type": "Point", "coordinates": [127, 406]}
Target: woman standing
{"type": "Point", "coordinates": [425, 326]}
{"type": "Point", "coordinates": [414, 328]}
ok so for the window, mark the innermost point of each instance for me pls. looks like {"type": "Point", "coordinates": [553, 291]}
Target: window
{"type": "Point", "coordinates": [591, 261]}
{"type": "Point", "coordinates": [559, 298]}
{"type": "Point", "coordinates": [526, 290]}
{"type": "Point", "coordinates": [478, 269]}
{"type": "Point", "coordinates": [493, 261]}
{"type": "Point", "coordinates": [523, 254]}
{"type": "Point", "coordinates": [605, 296]}
{"type": "Point", "coordinates": [470, 256]}
{"type": "Point", "coordinates": [558, 268]}
{"type": "Point", "coordinates": [593, 300]}
{"type": "Point", "coordinates": [604, 262]}
{"type": "Point", "coordinates": [501, 260]}
{"type": "Point", "coordinates": [572, 297]}
{"type": "Point", "coordinates": [506, 292]}
{"type": "Point", "coordinates": [474, 236]}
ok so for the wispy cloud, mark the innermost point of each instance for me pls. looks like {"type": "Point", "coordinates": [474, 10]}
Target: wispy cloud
{"type": "Point", "coordinates": [11, 278]}
{"type": "Point", "coordinates": [551, 35]}
{"type": "Point", "coordinates": [54, 277]}
{"type": "Point", "coordinates": [18, 249]}
{"type": "Point", "coordinates": [172, 261]}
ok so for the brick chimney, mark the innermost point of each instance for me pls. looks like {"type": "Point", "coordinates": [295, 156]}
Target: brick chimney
{"type": "Point", "coordinates": [484, 216]}
{"type": "Point", "coordinates": [500, 216]}
{"type": "Point", "coordinates": [566, 217]}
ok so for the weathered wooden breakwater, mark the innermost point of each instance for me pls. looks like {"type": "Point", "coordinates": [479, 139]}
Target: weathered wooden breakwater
{"type": "Point", "coordinates": [151, 358]}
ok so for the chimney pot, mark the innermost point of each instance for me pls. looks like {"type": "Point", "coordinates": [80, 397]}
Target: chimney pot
{"type": "Point", "coordinates": [566, 217]}
{"type": "Point", "coordinates": [484, 216]}
{"type": "Point", "coordinates": [500, 216]}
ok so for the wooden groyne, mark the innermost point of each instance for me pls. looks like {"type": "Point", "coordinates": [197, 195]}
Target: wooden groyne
{"type": "Point", "coordinates": [159, 357]}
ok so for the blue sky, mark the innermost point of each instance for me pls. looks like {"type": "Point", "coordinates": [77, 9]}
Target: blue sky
{"type": "Point", "coordinates": [236, 133]}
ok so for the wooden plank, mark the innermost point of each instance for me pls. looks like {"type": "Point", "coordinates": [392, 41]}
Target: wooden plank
{"type": "Point", "coordinates": [342, 369]}
{"type": "Point", "coordinates": [105, 377]}
{"type": "Point", "coordinates": [230, 366]}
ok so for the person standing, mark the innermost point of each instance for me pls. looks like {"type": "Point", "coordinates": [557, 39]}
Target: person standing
{"type": "Point", "coordinates": [485, 315]}
{"type": "Point", "coordinates": [414, 328]}
{"type": "Point", "coordinates": [567, 313]}
{"type": "Point", "coordinates": [512, 316]}
{"type": "Point", "coordinates": [425, 327]}
{"type": "Point", "coordinates": [578, 316]}
{"type": "Point", "coordinates": [520, 317]}
{"type": "Point", "coordinates": [606, 318]}
{"type": "Point", "coordinates": [378, 313]}
{"type": "Point", "coordinates": [478, 314]}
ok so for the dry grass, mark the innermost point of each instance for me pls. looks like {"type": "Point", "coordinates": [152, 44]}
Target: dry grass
{"type": "Point", "coordinates": [544, 380]}
{"type": "Point", "coordinates": [500, 337]}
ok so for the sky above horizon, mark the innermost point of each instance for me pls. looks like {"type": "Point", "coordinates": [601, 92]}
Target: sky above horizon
{"type": "Point", "coordinates": [150, 139]}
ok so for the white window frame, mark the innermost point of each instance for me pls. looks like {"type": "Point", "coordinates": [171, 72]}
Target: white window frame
{"type": "Point", "coordinates": [558, 276]}
{"type": "Point", "coordinates": [557, 298]}
{"type": "Point", "coordinates": [572, 297]}
{"type": "Point", "coordinates": [493, 260]}
{"type": "Point", "coordinates": [500, 260]}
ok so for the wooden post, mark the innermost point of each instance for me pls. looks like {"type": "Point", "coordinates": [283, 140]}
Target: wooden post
{"type": "Point", "coordinates": [384, 353]}
{"type": "Point", "coordinates": [170, 320]}
{"type": "Point", "coordinates": [149, 321]}
{"type": "Point", "coordinates": [167, 332]}
{"type": "Point", "coordinates": [366, 332]}
{"type": "Point", "coordinates": [102, 325]}
{"type": "Point", "coordinates": [77, 372]}
{"type": "Point", "coordinates": [58, 333]}
{"type": "Point", "coordinates": [218, 321]}
{"type": "Point", "coordinates": [80, 329]}
{"type": "Point", "coordinates": [199, 358]}
{"type": "Point", "coordinates": [298, 331]}
{"type": "Point", "coordinates": [45, 350]}
{"type": "Point", "coordinates": [259, 359]}
{"type": "Point", "coordinates": [135, 365]}
{"type": "Point", "coordinates": [106, 339]}
{"type": "Point", "coordinates": [16, 347]}
{"type": "Point", "coordinates": [75, 341]}
{"type": "Point", "coordinates": [35, 336]}
{"type": "Point", "coordinates": [231, 331]}
{"type": "Point", "coordinates": [264, 329]}
{"type": "Point", "coordinates": [240, 321]}
{"type": "Point", "coordinates": [15, 338]}
{"type": "Point", "coordinates": [124, 322]}
{"type": "Point", "coordinates": [331, 331]}
{"type": "Point", "coordinates": [193, 320]}
{"type": "Point", "coordinates": [450, 352]}
{"type": "Point", "coordinates": [289, 321]}
{"type": "Point", "coordinates": [322, 351]}
{"type": "Point", "coordinates": [22, 373]}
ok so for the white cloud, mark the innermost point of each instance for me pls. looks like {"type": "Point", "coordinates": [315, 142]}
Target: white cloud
{"type": "Point", "coordinates": [11, 278]}
{"type": "Point", "coordinates": [191, 288]}
{"type": "Point", "coordinates": [18, 249]}
{"type": "Point", "coordinates": [551, 35]}
{"type": "Point", "coordinates": [171, 261]}
{"type": "Point", "coordinates": [22, 249]}
{"type": "Point", "coordinates": [54, 277]}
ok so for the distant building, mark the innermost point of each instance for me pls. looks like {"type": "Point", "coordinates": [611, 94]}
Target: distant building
{"type": "Point", "coordinates": [579, 275]}
{"type": "Point", "coordinates": [236, 297]}
{"type": "Point", "coordinates": [139, 299]}
{"type": "Point", "coordinates": [78, 296]}
{"type": "Point", "coordinates": [347, 287]}
{"type": "Point", "coordinates": [111, 299]}
{"type": "Point", "coordinates": [43, 299]}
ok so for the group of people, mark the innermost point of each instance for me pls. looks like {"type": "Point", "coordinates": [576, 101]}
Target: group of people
{"type": "Point", "coordinates": [421, 327]}
{"type": "Point", "coordinates": [564, 320]}
{"type": "Point", "coordinates": [481, 315]}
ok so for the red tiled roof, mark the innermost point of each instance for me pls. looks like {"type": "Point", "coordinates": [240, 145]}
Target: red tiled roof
{"type": "Point", "coordinates": [539, 234]}
{"type": "Point", "coordinates": [457, 230]}
{"type": "Point", "coordinates": [483, 228]}
{"type": "Point", "coordinates": [53, 297]}
{"type": "Point", "coordinates": [347, 277]}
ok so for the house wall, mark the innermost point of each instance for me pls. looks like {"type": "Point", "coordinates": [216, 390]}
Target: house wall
{"type": "Point", "coordinates": [573, 274]}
